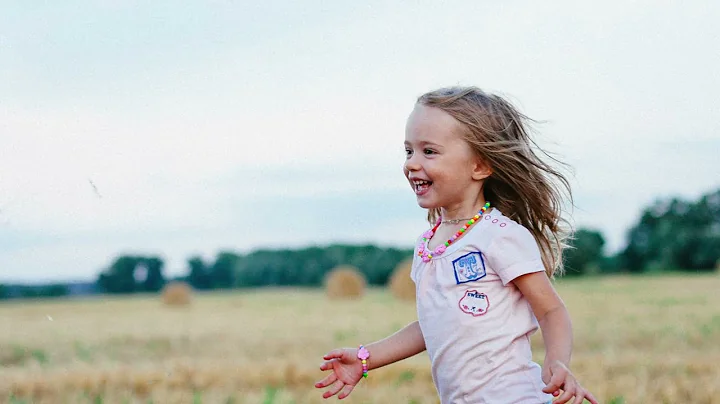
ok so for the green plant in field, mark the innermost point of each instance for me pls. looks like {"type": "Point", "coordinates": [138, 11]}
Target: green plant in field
{"type": "Point", "coordinates": [14, 400]}
{"type": "Point", "coordinates": [13, 355]}
{"type": "Point", "coordinates": [344, 335]}
{"type": "Point", "coordinates": [94, 399]}
{"type": "Point", "coordinates": [40, 356]}
{"type": "Point", "coordinates": [20, 355]}
{"type": "Point", "coordinates": [197, 397]}
{"type": "Point", "coordinates": [270, 394]}
{"type": "Point", "coordinates": [405, 377]}
{"type": "Point", "coordinates": [617, 400]}
{"type": "Point", "coordinates": [83, 352]}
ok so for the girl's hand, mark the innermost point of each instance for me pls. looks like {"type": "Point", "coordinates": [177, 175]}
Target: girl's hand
{"type": "Point", "coordinates": [558, 377]}
{"type": "Point", "coordinates": [346, 372]}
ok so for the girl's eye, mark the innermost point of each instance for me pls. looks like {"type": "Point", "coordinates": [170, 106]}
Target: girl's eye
{"type": "Point", "coordinates": [408, 152]}
{"type": "Point", "coordinates": [429, 151]}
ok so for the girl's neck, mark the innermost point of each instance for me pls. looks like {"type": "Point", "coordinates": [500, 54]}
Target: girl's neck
{"type": "Point", "coordinates": [462, 211]}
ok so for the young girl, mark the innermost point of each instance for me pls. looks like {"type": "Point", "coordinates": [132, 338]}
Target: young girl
{"type": "Point", "coordinates": [482, 272]}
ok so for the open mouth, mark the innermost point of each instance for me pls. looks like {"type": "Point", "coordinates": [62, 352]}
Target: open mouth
{"type": "Point", "coordinates": [421, 186]}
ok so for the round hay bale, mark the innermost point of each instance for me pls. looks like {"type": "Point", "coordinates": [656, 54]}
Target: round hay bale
{"type": "Point", "coordinates": [345, 282]}
{"type": "Point", "coordinates": [177, 294]}
{"type": "Point", "coordinates": [401, 285]}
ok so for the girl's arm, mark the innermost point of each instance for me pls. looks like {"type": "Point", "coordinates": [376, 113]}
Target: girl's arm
{"type": "Point", "coordinates": [552, 315]}
{"type": "Point", "coordinates": [557, 333]}
{"type": "Point", "coordinates": [401, 345]}
{"type": "Point", "coordinates": [346, 369]}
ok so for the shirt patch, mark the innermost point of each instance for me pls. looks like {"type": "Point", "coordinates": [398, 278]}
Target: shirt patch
{"type": "Point", "coordinates": [470, 267]}
{"type": "Point", "coordinates": [474, 303]}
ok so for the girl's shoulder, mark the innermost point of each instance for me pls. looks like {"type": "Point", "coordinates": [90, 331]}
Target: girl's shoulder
{"type": "Point", "coordinates": [499, 227]}
{"type": "Point", "coordinates": [511, 249]}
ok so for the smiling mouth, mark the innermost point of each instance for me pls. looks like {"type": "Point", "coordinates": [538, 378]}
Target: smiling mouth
{"type": "Point", "coordinates": [421, 186]}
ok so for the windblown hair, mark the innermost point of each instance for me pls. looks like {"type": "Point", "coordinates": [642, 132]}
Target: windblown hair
{"type": "Point", "coordinates": [522, 186]}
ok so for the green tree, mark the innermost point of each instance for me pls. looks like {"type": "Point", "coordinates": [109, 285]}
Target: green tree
{"type": "Point", "coordinates": [53, 290]}
{"type": "Point", "coordinates": [199, 276]}
{"type": "Point", "coordinates": [586, 250]}
{"type": "Point", "coordinates": [676, 234]}
{"type": "Point", "coordinates": [154, 280]}
{"type": "Point", "coordinates": [222, 271]}
{"type": "Point", "coordinates": [308, 266]}
{"type": "Point", "coordinates": [121, 276]}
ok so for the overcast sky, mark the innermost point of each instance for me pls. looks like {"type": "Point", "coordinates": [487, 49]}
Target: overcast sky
{"type": "Point", "coordinates": [169, 129]}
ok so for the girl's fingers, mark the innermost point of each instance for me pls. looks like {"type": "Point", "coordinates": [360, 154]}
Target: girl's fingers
{"type": "Point", "coordinates": [331, 378]}
{"type": "Point", "coordinates": [345, 391]}
{"type": "Point", "coordinates": [567, 394]}
{"type": "Point", "coordinates": [327, 365]}
{"type": "Point", "coordinates": [334, 388]}
{"type": "Point", "coordinates": [579, 396]}
{"type": "Point", "coordinates": [556, 383]}
{"type": "Point", "coordinates": [334, 354]}
{"type": "Point", "coordinates": [551, 388]}
{"type": "Point", "coordinates": [591, 398]}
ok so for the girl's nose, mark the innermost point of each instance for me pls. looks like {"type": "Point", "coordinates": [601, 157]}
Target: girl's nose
{"type": "Point", "coordinates": [412, 164]}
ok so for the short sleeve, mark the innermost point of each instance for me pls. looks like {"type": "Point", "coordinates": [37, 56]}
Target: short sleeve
{"type": "Point", "coordinates": [513, 253]}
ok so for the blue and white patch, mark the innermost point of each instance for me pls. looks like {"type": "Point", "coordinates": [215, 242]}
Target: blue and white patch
{"type": "Point", "coordinates": [470, 267]}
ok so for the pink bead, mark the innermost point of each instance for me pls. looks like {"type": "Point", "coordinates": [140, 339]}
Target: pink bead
{"type": "Point", "coordinates": [440, 249]}
{"type": "Point", "coordinates": [425, 258]}
{"type": "Point", "coordinates": [427, 234]}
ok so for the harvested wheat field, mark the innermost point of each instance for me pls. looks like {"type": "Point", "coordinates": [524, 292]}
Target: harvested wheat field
{"type": "Point", "coordinates": [638, 340]}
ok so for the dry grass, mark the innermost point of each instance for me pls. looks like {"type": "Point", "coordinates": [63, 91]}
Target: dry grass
{"type": "Point", "coordinates": [638, 340]}
{"type": "Point", "coordinates": [345, 282]}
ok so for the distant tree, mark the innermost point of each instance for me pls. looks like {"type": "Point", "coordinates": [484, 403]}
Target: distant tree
{"type": "Point", "coordinates": [586, 250]}
{"type": "Point", "coordinates": [199, 275]}
{"type": "Point", "coordinates": [155, 280]}
{"type": "Point", "coordinates": [222, 271]}
{"type": "Point", "coordinates": [53, 290]}
{"type": "Point", "coordinates": [121, 276]}
{"type": "Point", "coordinates": [308, 266]}
{"type": "Point", "coordinates": [4, 292]}
{"type": "Point", "coordinates": [676, 234]}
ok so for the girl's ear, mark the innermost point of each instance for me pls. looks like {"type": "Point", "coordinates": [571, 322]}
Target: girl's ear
{"type": "Point", "coordinates": [482, 170]}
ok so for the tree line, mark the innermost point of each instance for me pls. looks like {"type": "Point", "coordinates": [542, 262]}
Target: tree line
{"type": "Point", "coordinates": [671, 234]}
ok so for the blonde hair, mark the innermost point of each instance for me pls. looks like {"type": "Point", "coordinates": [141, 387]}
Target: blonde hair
{"type": "Point", "coordinates": [522, 186]}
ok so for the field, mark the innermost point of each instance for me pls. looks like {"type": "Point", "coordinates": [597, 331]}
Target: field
{"type": "Point", "coordinates": [637, 340]}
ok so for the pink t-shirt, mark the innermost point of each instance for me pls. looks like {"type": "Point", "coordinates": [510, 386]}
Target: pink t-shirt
{"type": "Point", "coordinates": [476, 323]}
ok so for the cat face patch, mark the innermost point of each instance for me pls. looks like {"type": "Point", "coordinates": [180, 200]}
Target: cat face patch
{"type": "Point", "coordinates": [470, 267]}
{"type": "Point", "coordinates": [474, 303]}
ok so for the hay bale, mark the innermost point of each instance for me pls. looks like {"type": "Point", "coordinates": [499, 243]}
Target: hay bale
{"type": "Point", "coordinates": [401, 285]}
{"type": "Point", "coordinates": [345, 282]}
{"type": "Point", "coordinates": [177, 294]}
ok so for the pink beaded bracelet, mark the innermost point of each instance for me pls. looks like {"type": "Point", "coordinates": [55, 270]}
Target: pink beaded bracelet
{"type": "Point", "coordinates": [363, 354]}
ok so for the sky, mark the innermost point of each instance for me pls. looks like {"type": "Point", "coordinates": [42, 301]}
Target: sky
{"type": "Point", "coordinates": [180, 129]}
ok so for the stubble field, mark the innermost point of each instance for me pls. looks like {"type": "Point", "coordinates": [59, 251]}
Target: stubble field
{"type": "Point", "coordinates": [637, 340]}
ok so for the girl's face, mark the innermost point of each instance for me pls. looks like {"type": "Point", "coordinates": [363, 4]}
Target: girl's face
{"type": "Point", "coordinates": [440, 165]}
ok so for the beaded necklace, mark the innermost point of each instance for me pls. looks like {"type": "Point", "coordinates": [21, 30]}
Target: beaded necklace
{"type": "Point", "coordinates": [426, 255]}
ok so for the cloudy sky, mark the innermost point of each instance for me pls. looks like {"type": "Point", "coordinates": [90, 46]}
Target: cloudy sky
{"type": "Point", "coordinates": [181, 129]}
